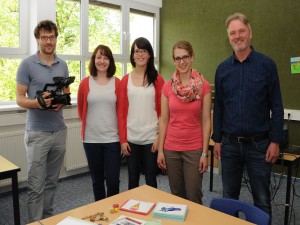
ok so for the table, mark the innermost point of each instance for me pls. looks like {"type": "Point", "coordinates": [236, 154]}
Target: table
{"type": "Point", "coordinates": [10, 170]}
{"type": "Point", "coordinates": [288, 160]}
{"type": "Point", "coordinates": [197, 214]}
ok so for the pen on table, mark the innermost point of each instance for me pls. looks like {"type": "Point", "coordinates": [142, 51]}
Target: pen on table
{"type": "Point", "coordinates": [40, 222]}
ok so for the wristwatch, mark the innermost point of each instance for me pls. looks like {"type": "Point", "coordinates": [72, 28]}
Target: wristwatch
{"type": "Point", "coordinates": [205, 155]}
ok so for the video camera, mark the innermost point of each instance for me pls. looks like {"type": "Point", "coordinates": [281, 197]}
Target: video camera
{"type": "Point", "coordinates": [57, 94]}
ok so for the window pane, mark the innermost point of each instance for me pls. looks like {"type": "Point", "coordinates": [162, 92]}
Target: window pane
{"type": "Point", "coordinates": [119, 70]}
{"type": "Point", "coordinates": [74, 70]}
{"type": "Point", "coordinates": [141, 25]}
{"type": "Point", "coordinates": [104, 26]}
{"type": "Point", "coordinates": [8, 71]}
{"type": "Point", "coordinates": [129, 67]}
{"type": "Point", "coordinates": [9, 24]}
{"type": "Point", "coordinates": [68, 24]}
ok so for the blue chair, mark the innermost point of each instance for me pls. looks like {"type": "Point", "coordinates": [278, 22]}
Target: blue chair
{"type": "Point", "coordinates": [232, 207]}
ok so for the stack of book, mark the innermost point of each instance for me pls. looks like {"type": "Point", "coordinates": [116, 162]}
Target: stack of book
{"type": "Point", "coordinates": [170, 211]}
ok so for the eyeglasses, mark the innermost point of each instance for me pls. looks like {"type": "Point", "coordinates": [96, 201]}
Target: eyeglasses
{"type": "Point", "coordinates": [140, 51]}
{"type": "Point", "coordinates": [45, 38]}
{"type": "Point", "coordinates": [184, 58]}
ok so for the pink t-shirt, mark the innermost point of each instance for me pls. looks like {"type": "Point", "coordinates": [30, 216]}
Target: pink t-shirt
{"type": "Point", "coordinates": [184, 131]}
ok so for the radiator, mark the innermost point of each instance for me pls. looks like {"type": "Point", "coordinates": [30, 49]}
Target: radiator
{"type": "Point", "coordinates": [75, 156]}
{"type": "Point", "coordinates": [12, 148]}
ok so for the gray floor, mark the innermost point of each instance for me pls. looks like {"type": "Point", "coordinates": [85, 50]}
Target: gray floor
{"type": "Point", "coordinates": [76, 191]}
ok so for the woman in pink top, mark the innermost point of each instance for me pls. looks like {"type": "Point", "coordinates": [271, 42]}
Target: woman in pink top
{"type": "Point", "coordinates": [184, 127]}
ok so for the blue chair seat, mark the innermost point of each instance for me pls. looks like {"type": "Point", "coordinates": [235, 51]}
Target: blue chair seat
{"type": "Point", "coordinates": [232, 207]}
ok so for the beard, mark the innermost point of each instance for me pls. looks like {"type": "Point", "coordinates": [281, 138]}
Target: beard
{"type": "Point", "coordinates": [48, 50]}
{"type": "Point", "coordinates": [240, 46]}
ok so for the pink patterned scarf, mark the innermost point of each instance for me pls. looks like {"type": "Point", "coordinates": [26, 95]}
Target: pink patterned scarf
{"type": "Point", "coordinates": [190, 92]}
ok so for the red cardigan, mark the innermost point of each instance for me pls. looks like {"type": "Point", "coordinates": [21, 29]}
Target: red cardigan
{"type": "Point", "coordinates": [123, 104]}
{"type": "Point", "coordinates": [82, 104]}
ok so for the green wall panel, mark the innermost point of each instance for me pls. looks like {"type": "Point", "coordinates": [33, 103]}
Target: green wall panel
{"type": "Point", "coordinates": [276, 33]}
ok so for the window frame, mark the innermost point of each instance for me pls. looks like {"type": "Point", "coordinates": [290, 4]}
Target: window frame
{"type": "Point", "coordinates": [9, 52]}
{"type": "Point", "coordinates": [26, 47]}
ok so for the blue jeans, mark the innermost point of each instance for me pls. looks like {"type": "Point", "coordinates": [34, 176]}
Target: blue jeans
{"type": "Point", "coordinates": [104, 160]}
{"type": "Point", "coordinates": [141, 156]}
{"type": "Point", "coordinates": [251, 156]}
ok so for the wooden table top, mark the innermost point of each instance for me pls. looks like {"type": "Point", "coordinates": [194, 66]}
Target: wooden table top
{"type": "Point", "coordinates": [197, 214]}
{"type": "Point", "coordinates": [6, 165]}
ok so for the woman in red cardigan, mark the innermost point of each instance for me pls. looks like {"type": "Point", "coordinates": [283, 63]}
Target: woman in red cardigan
{"type": "Point", "coordinates": [97, 103]}
{"type": "Point", "coordinates": [139, 112]}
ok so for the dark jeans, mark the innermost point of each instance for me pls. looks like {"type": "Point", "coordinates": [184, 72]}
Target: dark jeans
{"type": "Point", "coordinates": [104, 162]}
{"type": "Point", "coordinates": [251, 156]}
{"type": "Point", "coordinates": [142, 155]}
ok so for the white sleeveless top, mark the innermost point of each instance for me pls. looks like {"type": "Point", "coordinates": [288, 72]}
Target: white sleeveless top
{"type": "Point", "coordinates": [101, 121]}
{"type": "Point", "coordinates": [142, 118]}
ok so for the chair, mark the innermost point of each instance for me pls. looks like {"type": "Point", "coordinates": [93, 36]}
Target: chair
{"type": "Point", "coordinates": [232, 207]}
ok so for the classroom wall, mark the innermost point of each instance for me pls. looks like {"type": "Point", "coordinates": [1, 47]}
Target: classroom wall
{"type": "Point", "coordinates": [276, 33]}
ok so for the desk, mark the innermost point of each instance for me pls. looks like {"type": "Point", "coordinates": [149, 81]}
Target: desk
{"type": "Point", "coordinates": [288, 160]}
{"type": "Point", "coordinates": [197, 214]}
{"type": "Point", "coordinates": [10, 170]}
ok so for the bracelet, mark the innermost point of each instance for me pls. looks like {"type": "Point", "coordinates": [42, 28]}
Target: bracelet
{"type": "Point", "coordinates": [205, 155]}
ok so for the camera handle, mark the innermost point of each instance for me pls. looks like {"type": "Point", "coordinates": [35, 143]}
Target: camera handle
{"type": "Point", "coordinates": [41, 101]}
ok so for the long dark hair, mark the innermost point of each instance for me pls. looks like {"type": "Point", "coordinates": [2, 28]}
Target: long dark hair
{"type": "Point", "coordinates": [104, 50]}
{"type": "Point", "coordinates": [151, 72]}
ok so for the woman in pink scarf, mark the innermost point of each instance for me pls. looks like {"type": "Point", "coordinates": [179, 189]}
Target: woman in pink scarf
{"type": "Point", "coordinates": [184, 127]}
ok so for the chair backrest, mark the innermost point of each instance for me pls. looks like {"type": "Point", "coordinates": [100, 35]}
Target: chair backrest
{"type": "Point", "coordinates": [232, 207]}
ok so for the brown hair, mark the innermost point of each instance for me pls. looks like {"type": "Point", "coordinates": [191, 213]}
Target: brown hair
{"type": "Point", "coordinates": [183, 45]}
{"type": "Point", "coordinates": [47, 25]}
{"type": "Point", "coordinates": [104, 50]}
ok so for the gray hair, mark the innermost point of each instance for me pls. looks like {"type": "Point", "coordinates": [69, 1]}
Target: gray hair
{"type": "Point", "coordinates": [238, 16]}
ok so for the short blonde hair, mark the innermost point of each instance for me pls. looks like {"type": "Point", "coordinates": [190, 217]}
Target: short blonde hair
{"type": "Point", "coordinates": [183, 45]}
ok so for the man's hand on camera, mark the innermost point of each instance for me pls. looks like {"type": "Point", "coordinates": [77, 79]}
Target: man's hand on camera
{"type": "Point", "coordinates": [46, 101]}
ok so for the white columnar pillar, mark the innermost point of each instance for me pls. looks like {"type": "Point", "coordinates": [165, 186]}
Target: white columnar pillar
{"type": "Point", "coordinates": [39, 10]}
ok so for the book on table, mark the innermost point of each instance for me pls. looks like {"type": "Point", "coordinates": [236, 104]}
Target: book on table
{"type": "Point", "coordinates": [136, 206]}
{"type": "Point", "coordinates": [170, 211]}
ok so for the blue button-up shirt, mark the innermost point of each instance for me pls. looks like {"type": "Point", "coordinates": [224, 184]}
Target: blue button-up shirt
{"type": "Point", "coordinates": [248, 98]}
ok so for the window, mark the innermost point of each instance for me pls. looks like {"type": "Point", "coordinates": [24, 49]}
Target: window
{"type": "Point", "coordinates": [104, 26]}
{"type": "Point", "coordinates": [94, 22]}
{"type": "Point", "coordinates": [141, 25]}
{"type": "Point", "coordinates": [82, 26]}
{"type": "Point", "coordinates": [13, 36]}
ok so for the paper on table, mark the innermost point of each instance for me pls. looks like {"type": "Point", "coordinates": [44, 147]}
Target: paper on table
{"type": "Point", "coordinates": [121, 220]}
{"type": "Point", "coordinates": [74, 221]}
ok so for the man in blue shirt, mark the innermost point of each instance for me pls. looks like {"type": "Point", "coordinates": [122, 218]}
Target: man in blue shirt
{"type": "Point", "coordinates": [248, 115]}
{"type": "Point", "coordinates": [46, 131]}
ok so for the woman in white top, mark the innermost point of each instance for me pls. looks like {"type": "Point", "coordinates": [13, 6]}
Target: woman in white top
{"type": "Point", "coordinates": [97, 103]}
{"type": "Point", "coordinates": [140, 94]}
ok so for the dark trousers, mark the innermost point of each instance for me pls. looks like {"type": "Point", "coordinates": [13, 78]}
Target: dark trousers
{"type": "Point", "coordinates": [142, 155]}
{"type": "Point", "coordinates": [104, 160]}
{"type": "Point", "coordinates": [250, 156]}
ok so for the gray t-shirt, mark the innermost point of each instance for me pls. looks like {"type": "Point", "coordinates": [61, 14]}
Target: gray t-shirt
{"type": "Point", "coordinates": [34, 74]}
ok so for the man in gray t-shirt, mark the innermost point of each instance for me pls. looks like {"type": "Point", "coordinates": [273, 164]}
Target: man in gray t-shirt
{"type": "Point", "coordinates": [46, 132]}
